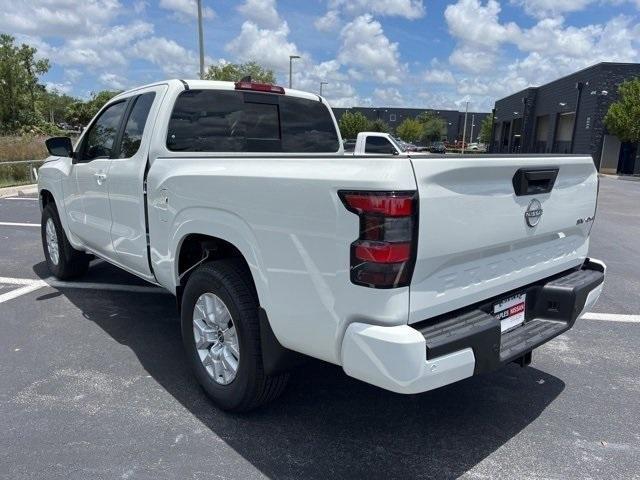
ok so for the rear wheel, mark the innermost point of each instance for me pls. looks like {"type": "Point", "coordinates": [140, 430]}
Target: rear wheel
{"type": "Point", "coordinates": [221, 334]}
{"type": "Point", "coordinates": [63, 260]}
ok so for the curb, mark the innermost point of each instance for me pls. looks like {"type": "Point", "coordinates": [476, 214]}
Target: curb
{"type": "Point", "coordinates": [20, 191]}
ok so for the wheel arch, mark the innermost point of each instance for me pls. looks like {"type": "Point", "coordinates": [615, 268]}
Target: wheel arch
{"type": "Point", "coordinates": [195, 248]}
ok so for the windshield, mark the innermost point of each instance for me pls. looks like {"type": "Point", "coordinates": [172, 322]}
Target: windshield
{"type": "Point", "coordinates": [402, 147]}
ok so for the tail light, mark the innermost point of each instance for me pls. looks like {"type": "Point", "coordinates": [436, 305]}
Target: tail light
{"type": "Point", "coordinates": [385, 253]}
{"type": "Point", "coordinates": [259, 87]}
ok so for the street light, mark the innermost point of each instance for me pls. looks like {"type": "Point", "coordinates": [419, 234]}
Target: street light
{"type": "Point", "coordinates": [291, 57]}
{"type": "Point", "coordinates": [200, 39]}
{"type": "Point", "coordinates": [321, 84]}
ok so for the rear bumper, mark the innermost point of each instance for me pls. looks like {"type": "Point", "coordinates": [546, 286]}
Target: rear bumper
{"type": "Point", "coordinates": [451, 347]}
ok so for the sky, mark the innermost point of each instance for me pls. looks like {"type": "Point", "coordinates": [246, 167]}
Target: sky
{"type": "Point", "coordinates": [393, 53]}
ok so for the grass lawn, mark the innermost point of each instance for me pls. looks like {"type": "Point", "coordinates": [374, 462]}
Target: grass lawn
{"type": "Point", "coordinates": [16, 148]}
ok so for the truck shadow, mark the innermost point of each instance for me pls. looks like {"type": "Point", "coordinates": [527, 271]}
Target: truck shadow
{"type": "Point", "coordinates": [328, 425]}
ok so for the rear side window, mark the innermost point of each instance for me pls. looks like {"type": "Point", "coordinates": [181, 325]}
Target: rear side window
{"type": "Point", "coordinates": [379, 145]}
{"type": "Point", "coordinates": [132, 135]}
{"type": "Point", "coordinates": [232, 121]}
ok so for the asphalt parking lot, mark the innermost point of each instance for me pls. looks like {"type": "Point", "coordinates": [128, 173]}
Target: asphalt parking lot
{"type": "Point", "coordinates": [94, 384]}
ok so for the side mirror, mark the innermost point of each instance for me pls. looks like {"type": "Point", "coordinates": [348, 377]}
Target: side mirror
{"type": "Point", "coordinates": [395, 151]}
{"type": "Point", "coordinates": [59, 146]}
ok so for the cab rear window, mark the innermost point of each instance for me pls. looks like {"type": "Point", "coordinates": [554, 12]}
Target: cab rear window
{"type": "Point", "coordinates": [233, 121]}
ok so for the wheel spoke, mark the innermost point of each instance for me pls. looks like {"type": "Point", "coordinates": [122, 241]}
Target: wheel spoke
{"type": "Point", "coordinates": [228, 360]}
{"type": "Point", "coordinates": [216, 338]}
{"type": "Point", "coordinates": [204, 334]}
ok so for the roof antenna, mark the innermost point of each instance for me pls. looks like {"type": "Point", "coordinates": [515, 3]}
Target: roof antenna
{"type": "Point", "coordinates": [246, 79]}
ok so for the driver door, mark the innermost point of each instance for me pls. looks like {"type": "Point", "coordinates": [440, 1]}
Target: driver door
{"type": "Point", "coordinates": [92, 179]}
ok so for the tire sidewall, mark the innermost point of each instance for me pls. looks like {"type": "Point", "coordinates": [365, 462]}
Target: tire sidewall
{"type": "Point", "coordinates": [227, 396]}
{"type": "Point", "coordinates": [50, 213]}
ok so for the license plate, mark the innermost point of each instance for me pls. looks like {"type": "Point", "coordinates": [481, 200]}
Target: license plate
{"type": "Point", "coordinates": [510, 311]}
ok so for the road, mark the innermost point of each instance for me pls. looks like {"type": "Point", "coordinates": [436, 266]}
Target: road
{"type": "Point", "coordinates": [94, 384]}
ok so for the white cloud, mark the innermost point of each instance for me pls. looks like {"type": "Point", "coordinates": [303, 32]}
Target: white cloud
{"type": "Point", "coordinates": [549, 49]}
{"type": "Point", "coordinates": [64, 87]}
{"type": "Point", "coordinates": [62, 18]}
{"type": "Point", "coordinates": [473, 59]}
{"type": "Point", "coordinates": [410, 9]}
{"type": "Point", "coordinates": [437, 76]}
{"type": "Point", "coordinates": [113, 81]}
{"type": "Point", "coordinates": [184, 10]}
{"type": "Point", "coordinates": [175, 60]}
{"type": "Point", "coordinates": [140, 6]}
{"type": "Point", "coordinates": [261, 12]}
{"type": "Point", "coordinates": [473, 23]}
{"type": "Point", "coordinates": [330, 21]}
{"type": "Point", "coordinates": [546, 8]}
{"type": "Point", "coordinates": [389, 97]}
{"type": "Point", "coordinates": [366, 48]}
{"type": "Point", "coordinates": [270, 47]}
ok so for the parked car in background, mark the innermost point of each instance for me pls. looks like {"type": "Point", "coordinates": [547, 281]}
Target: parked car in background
{"type": "Point", "coordinates": [438, 147]}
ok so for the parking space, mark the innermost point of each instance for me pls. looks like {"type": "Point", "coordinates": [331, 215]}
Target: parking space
{"type": "Point", "coordinates": [95, 385]}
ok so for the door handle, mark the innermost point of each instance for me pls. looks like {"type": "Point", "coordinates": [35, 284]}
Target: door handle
{"type": "Point", "coordinates": [100, 178]}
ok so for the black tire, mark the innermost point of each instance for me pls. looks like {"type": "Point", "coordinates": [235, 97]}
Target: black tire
{"type": "Point", "coordinates": [233, 285]}
{"type": "Point", "coordinates": [71, 262]}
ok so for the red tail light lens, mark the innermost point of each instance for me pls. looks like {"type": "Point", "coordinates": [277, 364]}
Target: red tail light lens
{"type": "Point", "coordinates": [384, 254]}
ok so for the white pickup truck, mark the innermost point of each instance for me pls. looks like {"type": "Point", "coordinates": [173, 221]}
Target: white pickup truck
{"type": "Point", "coordinates": [409, 272]}
{"type": "Point", "coordinates": [377, 143]}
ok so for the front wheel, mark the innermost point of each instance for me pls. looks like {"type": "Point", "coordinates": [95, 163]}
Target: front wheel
{"type": "Point", "coordinates": [221, 334]}
{"type": "Point", "coordinates": [63, 260]}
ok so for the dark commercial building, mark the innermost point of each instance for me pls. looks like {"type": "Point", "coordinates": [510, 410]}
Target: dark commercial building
{"type": "Point", "coordinates": [567, 116]}
{"type": "Point", "coordinates": [394, 117]}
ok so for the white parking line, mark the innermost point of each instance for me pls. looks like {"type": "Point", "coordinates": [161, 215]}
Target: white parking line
{"type": "Point", "coordinates": [11, 224]}
{"type": "Point", "coordinates": [18, 292]}
{"type": "Point", "coordinates": [612, 317]}
{"type": "Point", "coordinates": [17, 281]}
{"type": "Point", "coordinates": [30, 285]}
{"type": "Point", "coordinates": [33, 199]}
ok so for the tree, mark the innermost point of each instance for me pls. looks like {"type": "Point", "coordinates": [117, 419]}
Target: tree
{"type": "Point", "coordinates": [485, 129]}
{"type": "Point", "coordinates": [19, 84]}
{"type": "Point", "coordinates": [623, 117]}
{"type": "Point", "coordinates": [434, 127]}
{"type": "Point", "coordinates": [81, 113]}
{"type": "Point", "coordinates": [379, 125]}
{"type": "Point", "coordinates": [410, 130]}
{"type": "Point", "coordinates": [55, 105]}
{"type": "Point", "coordinates": [232, 72]}
{"type": "Point", "coordinates": [352, 123]}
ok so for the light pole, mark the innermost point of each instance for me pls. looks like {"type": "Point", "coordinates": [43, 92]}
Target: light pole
{"type": "Point", "coordinates": [321, 84]}
{"type": "Point", "coordinates": [464, 130]}
{"type": "Point", "coordinates": [200, 39]}
{"type": "Point", "coordinates": [473, 124]}
{"type": "Point", "coordinates": [291, 57]}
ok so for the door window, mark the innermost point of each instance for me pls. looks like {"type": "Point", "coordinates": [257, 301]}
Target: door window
{"type": "Point", "coordinates": [134, 129]}
{"type": "Point", "coordinates": [100, 138]}
{"type": "Point", "coordinates": [379, 145]}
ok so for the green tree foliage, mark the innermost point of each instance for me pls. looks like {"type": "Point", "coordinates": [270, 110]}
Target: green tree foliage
{"type": "Point", "coordinates": [54, 105]}
{"type": "Point", "coordinates": [232, 72]}
{"type": "Point", "coordinates": [19, 87]}
{"type": "Point", "coordinates": [352, 123]}
{"type": "Point", "coordinates": [485, 129]}
{"type": "Point", "coordinates": [81, 112]}
{"type": "Point", "coordinates": [623, 117]}
{"type": "Point", "coordinates": [434, 127]}
{"type": "Point", "coordinates": [410, 130]}
{"type": "Point", "coordinates": [379, 125]}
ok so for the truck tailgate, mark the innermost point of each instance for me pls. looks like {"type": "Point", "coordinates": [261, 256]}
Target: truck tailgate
{"type": "Point", "coordinates": [474, 239]}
